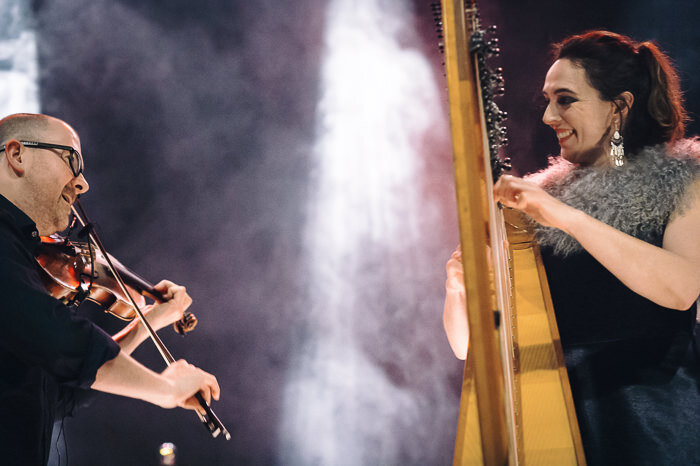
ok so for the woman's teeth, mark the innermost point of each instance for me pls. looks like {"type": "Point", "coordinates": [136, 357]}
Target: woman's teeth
{"type": "Point", "coordinates": [564, 134]}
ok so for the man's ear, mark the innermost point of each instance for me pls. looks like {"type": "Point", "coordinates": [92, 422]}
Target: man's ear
{"type": "Point", "coordinates": [14, 153]}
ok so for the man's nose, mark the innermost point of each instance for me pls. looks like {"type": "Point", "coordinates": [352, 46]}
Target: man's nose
{"type": "Point", "coordinates": [80, 184]}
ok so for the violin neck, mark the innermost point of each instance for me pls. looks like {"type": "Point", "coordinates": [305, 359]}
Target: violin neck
{"type": "Point", "coordinates": [144, 287]}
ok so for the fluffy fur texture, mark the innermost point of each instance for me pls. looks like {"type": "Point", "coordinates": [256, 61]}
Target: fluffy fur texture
{"type": "Point", "coordinates": [637, 199]}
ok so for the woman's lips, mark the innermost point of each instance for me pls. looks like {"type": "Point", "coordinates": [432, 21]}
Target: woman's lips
{"type": "Point", "coordinates": [563, 136]}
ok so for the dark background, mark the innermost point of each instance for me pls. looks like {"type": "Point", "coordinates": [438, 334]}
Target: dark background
{"type": "Point", "coordinates": [198, 122]}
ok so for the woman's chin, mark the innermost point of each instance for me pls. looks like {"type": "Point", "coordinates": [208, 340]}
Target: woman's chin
{"type": "Point", "coordinates": [568, 155]}
{"type": "Point", "coordinates": [583, 158]}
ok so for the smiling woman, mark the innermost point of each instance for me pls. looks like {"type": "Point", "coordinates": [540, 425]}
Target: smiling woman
{"type": "Point", "coordinates": [582, 120]}
{"type": "Point", "coordinates": [619, 240]}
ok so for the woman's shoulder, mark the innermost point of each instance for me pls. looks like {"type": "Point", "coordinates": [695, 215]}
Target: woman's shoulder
{"type": "Point", "coordinates": [686, 154]}
{"type": "Point", "coordinates": [673, 166]}
{"type": "Point", "coordinates": [685, 150]}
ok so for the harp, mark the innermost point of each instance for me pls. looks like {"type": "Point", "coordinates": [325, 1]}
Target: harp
{"type": "Point", "coordinates": [516, 405]}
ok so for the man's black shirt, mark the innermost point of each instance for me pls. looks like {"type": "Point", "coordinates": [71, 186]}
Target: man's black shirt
{"type": "Point", "coordinates": [45, 349]}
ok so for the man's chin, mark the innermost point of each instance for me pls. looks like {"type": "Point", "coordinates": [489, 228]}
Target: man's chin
{"type": "Point", "coordinates": [60, 225]}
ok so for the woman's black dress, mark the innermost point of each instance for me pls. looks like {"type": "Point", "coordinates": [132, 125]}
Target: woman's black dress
{"type": "Point", "coordinates": [633, 365]}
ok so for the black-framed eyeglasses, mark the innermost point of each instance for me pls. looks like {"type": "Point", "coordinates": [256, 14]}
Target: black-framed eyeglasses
{"type": "Point", "coordinates": [75, 160]}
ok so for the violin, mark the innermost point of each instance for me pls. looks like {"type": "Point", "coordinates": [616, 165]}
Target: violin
{"type": "Point", "coordinates": [76, 271]}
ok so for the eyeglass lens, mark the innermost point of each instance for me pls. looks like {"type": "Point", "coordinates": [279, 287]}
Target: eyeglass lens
{"type": "Point", "coordinates": [76, 162]}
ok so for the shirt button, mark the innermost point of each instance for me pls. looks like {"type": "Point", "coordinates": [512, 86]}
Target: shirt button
{"type": "Point", "coordinates": [35, 234]}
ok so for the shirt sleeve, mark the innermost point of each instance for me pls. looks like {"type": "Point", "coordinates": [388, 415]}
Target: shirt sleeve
{"type": "Point", "coordinates": [40, 331]}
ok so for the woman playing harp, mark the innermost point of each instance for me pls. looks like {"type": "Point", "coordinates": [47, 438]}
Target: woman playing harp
{"type": "Point", "coordinates": [618, 224]}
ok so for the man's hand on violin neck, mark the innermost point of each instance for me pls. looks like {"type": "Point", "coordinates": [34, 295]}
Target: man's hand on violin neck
{"type": "Point", "coordinates": [186, 380]}
{"type": "Point", "coordinates": [172, 310]}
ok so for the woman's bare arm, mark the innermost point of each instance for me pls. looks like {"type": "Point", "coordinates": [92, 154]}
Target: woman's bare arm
{"type": "Point", "coordinates": [668, 275]}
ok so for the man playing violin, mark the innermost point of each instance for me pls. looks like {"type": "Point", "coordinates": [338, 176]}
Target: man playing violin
{"type": "Point", "coordinates": [45, 349]}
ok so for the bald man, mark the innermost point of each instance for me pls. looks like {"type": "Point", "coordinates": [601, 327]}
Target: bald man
{"type": "Point", "coordinates": [45, 349]}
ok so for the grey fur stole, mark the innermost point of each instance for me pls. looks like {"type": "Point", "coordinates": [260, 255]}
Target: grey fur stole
{"type": "Point", "coordinates": [637, 199]}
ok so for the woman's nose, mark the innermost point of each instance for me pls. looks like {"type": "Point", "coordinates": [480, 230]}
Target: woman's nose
{"type": "Point", "coordinates": [550, 115]}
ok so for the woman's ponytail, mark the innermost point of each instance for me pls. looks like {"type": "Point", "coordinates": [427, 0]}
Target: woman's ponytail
{"type": "Point", "coordinates": [665, 104]}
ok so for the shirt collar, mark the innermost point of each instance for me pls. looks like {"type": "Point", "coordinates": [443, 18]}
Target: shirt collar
{"type": "Point", "coordinates": [29, 235]}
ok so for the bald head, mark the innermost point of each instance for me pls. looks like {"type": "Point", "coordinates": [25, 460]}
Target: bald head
{"type": "Point", "coordinates": [40, 181]}
{"type": "Point", "coordinates": [27, 126]}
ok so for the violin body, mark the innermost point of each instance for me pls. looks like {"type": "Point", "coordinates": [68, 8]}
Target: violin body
{"type": "Point", "coordinates": [73, 272]}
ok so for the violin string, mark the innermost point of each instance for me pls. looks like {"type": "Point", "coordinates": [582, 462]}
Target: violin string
{"type": "Point", "coordinates": [92, 265]}
{"type": "Point", "coordinates": [78, 298]}
{"type": "Point", "coordinates": [85, 231]}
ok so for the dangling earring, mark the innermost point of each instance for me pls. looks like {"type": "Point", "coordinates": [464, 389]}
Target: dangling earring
{"type": "Point", "coordinates": [617, 150]}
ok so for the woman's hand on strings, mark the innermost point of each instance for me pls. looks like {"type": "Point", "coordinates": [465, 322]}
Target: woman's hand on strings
{"type": "Point", "coordinates": [528, 197]}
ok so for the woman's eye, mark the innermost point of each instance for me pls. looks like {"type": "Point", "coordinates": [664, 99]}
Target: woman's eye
{"type": "Point", "coordinates": [566, 100]}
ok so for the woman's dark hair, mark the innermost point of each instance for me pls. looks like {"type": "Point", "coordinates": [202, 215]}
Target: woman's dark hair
{"type": "Point", "coordinates": [614, 64]}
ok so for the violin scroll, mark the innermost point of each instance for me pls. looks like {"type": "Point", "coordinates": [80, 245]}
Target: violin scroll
{"type": "Point", "coordinates": [186, 324]}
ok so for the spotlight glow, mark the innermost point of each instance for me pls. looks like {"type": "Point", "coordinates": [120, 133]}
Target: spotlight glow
{"type": "Point", "coordinates": [19, 69]}
{"type": "Point", "coordinates": [377, 102]}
